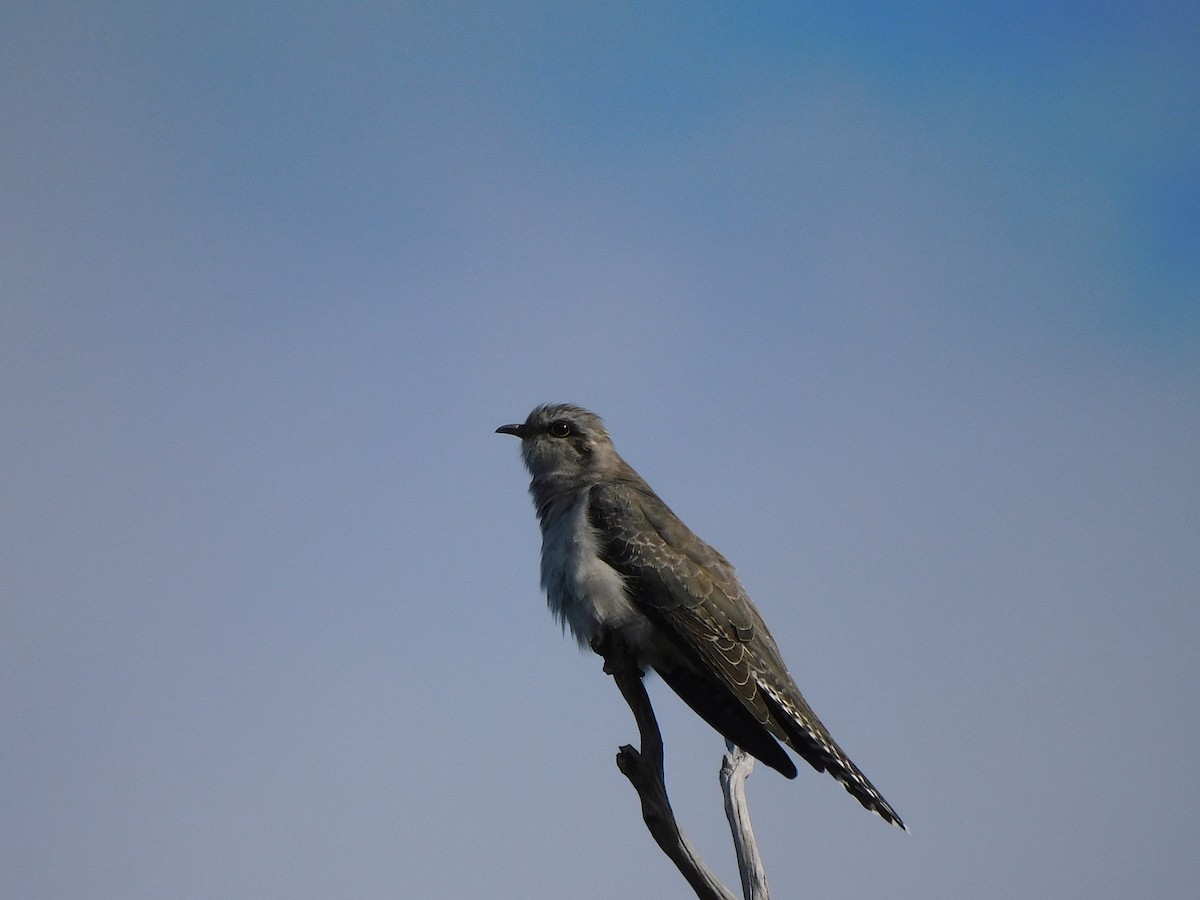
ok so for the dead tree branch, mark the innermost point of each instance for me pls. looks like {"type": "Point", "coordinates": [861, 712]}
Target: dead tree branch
{"type": "Point", "coordinates": [736, 766]}
{"type": "Point", "coordinates": [644, 769]}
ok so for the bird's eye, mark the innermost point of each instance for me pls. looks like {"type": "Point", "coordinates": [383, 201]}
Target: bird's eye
{"type": "Point", "coordinates": [559, 429]}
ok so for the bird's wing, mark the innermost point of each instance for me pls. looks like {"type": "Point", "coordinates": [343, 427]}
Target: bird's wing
{"type": "Point", "coordinates": [691, 593]}
{"type": "Point", "coordinates": [689, 590]}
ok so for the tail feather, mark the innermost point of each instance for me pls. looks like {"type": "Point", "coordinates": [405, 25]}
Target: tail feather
{"type": "Point", "coordinates": [812, 741]}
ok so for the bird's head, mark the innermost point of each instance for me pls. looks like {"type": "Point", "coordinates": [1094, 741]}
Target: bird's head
{"type": "Point", "coordinates": [562, 440]}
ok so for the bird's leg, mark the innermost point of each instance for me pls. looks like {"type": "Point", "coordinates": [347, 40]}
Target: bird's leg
{"type": "Point", "coordinates": [617, 654]}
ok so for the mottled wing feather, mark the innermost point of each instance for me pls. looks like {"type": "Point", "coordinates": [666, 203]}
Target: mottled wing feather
{"type": "Point", "coordinates": [698, 584]}
{"type": "Point", "coordinates": [691, 593]}
{"type": "Point", "coordinates": [729, 716]}
{"type": "Point", "coordinates": [686, 588]}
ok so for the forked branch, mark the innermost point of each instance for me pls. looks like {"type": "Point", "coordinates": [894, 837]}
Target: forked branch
{"type": "Point", "coordinates": [644, 769]}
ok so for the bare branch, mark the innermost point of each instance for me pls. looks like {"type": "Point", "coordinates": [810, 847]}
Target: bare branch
{"type": "Point", "coordinates": [736, 766]}
{"type": "Point", "coordinates": [644, 769]}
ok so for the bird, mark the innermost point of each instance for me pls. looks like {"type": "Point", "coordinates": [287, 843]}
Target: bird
{"type": "Point", "coordinates": [617, 562]}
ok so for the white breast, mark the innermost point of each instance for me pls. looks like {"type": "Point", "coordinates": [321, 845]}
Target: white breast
{"type": "Point", "coordinates": [584, 591]}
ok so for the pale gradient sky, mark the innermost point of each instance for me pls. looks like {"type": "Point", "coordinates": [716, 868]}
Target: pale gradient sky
{"type": "Point", "coordinates": [898, 309]}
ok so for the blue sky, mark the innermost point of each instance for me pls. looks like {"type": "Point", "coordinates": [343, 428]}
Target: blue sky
{"type": "Point", "coordinates": [898, 308]}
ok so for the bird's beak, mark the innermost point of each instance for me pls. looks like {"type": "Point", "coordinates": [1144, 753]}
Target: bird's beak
{"type": "Point", "coordinates": [516, 430]}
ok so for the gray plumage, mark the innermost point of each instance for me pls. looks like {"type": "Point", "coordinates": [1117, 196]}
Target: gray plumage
{"type": "Point", "coordinates": [616, 559]}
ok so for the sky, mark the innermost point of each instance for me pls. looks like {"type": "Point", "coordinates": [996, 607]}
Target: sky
{"type": "Point", "coordinates": [898, 307]}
